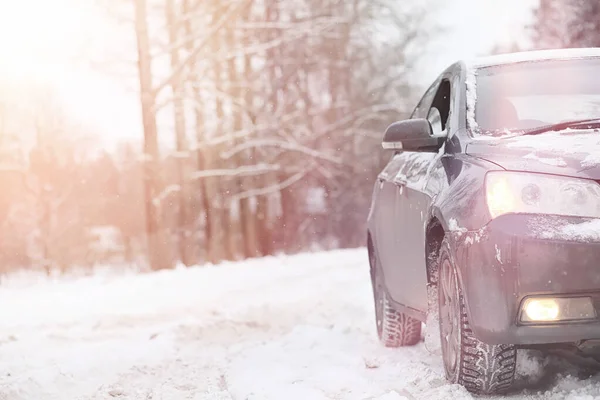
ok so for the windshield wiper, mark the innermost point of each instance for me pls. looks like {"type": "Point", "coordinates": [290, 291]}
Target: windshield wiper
{"type": "Point", "coordinates": [577, 123]}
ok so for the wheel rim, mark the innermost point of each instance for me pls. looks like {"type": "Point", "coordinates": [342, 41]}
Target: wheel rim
{"type": "Point", "coordinates": [449, 317]}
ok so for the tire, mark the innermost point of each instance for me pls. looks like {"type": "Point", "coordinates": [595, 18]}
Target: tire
{"type": "Point", "coordinates": [394, 329]}
{"type": "Point", "coordinates": [481, 368]}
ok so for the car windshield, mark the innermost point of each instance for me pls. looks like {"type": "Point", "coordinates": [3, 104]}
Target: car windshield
{"type": "Point", "coordinates": [524, 96]}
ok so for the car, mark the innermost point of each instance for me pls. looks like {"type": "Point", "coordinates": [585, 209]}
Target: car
{"type": "Point", "coordinates": [490, 202]}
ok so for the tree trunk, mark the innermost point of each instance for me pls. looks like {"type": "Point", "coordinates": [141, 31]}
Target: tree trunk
{"type": "Point", "coordinates": [247, 205]}
{"type": "Point", "coordinates": [218, 187]}
{"type": "Point", "coordinates": [264, 213]}
{"type": "Point", "coordinates": [201, 188]}
{"type": "Point", "coordinates": [158, 248]}
{"type": "Point", "coordinates": [231, 222]}
{"type": "Point", "coordinates": [184, 218]}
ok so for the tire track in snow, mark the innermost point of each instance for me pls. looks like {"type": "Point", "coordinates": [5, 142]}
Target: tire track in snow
{"type": "Point", "coordinates": [251, 327]}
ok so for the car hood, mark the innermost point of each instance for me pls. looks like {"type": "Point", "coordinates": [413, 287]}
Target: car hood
{"type": "Point", "coordinates": [571, 153]}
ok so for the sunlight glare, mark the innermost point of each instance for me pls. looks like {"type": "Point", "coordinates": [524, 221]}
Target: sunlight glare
{"type": "Point", "coordinates": [34, 34]}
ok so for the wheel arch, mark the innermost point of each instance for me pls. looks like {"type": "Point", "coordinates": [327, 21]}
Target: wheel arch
{"type": "Point", "coordinates": [436, 233]}
{"type": "Point", "coordinates": [434, 237]}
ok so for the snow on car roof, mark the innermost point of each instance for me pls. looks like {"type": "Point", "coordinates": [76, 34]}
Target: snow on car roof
{"type": "Point", "coordinates": [538, 55]}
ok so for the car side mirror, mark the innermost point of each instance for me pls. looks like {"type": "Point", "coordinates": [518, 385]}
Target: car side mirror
{"type": "Point", "coordinates": [411, 135]}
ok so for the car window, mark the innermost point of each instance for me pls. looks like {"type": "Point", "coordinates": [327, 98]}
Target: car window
{"type": "Point", "coordinates": [530, 95]}
{"type": "Point", "coordinates": [440, 108]}
{"type": "Point", "coordinates": [423, 107]}
{"type": "Point", "coordinates": [435, 107]}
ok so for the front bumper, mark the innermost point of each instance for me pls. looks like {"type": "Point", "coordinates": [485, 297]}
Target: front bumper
{"type": "Point", "coordinates": [516, 256]}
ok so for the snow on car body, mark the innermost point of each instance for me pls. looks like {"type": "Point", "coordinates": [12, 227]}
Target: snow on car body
{"type": "Point", "coordinates": [492, 196]}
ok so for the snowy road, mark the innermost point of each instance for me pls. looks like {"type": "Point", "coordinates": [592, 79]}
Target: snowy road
{"type": "Point", "coordinates": [296, 327]}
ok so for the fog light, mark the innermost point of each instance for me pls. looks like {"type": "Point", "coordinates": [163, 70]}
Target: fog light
{"type": "Point", "coordinates": [547, 309]}
{"type": "Point", "coordinates": [540, 310]}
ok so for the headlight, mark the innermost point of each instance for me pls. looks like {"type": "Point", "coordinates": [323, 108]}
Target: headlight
{"type": "Point", "coordinates": [549, 309]}
{"type": "Point", "coordinates": [520, 192]}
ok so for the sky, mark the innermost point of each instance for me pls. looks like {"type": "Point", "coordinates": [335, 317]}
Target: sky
{"type": "Point", "coordinates": [471, 28]}
{"type": "Point", "coordinates": [52, 46]}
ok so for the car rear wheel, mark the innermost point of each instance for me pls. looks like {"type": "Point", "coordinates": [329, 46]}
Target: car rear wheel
{"type": "Point", "coordinates": [394, 329]}
{"type": "Point", "coordinates": [481, 368]}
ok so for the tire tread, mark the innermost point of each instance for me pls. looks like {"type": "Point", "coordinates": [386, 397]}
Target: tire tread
{"type": "Point", "coordinates": [483, 368]}
{"type": "Point", "coordinates": [398, 329]}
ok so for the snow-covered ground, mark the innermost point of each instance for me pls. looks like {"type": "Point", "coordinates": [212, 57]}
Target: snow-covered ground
{"type": "Point", "coordinates": [297, 327]}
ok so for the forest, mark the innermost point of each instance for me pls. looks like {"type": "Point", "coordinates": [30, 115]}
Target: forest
{"type": "Point", "coordinates": [275, 112]}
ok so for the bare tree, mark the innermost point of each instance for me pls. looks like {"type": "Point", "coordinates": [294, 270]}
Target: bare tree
{"type": "Point", "coordinates": [158, 249]}
{"type": "Point", "coordinates": [185, 221]}
{"type": "Point", "coordinates": [570, 23]}
{"type": "Point", "coordinates": [284, 99]}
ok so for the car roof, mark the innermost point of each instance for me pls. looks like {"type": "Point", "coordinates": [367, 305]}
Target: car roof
{"type": "Point", "coordinates": [532, 56]}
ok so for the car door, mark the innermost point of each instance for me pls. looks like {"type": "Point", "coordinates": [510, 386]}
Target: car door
{"type": "Point", "coordinates": [413, 202]}
{"type": "Point", "coordinates": [386, 215]}
{"type": "Point", "coordinates": [392, 259]}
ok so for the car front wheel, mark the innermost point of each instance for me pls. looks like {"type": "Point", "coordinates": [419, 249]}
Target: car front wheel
{"type": "Point", "coordinates": [481, 368]}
